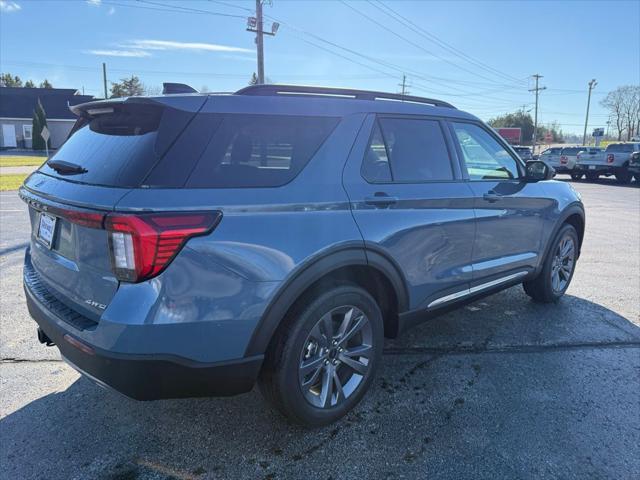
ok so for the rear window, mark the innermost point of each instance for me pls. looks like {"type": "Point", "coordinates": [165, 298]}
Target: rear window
{"type": "Point", "coordinates": [118, 147]}
{"type": "Point", "coordinates": [258, 150]}
{"type": "Point", "coordinates": [620, 148]}
{"type": "Point", "coordinates": [571, 151]}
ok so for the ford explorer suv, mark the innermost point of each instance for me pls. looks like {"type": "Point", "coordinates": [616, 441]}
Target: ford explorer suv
{"type": "Point", "coordinates": [195, 245]}
{"type": "Point", "coordinates": [614, 161]}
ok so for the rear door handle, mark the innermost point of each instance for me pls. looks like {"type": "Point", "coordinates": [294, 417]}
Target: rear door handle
{"type": "Point", "coordinates": [380, 200]}
{"type": "Point", "coordinates": [491, 196]}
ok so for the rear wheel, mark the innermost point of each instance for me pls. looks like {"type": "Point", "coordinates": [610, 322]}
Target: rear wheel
{"type": "Point", "coordinates": [324, 357]}
{"type": "Point", "coordinates": [623, 175]}
{"type": "Point", "coordinates": [576, 176]}
{"type": "Point", "coordinates": [558, 268]}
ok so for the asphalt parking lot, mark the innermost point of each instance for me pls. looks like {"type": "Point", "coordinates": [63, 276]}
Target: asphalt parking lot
{"type": "Point", "coordinates": [503, 388]}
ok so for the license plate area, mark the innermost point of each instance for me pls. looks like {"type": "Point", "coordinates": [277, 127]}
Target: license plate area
{"type": "Point", "coordinates": [592, 167]}
{"type": "Point", "coordinates": [46, 229]}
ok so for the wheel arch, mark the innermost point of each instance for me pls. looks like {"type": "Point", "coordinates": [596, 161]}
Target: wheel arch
{"type": "Point", "coordinates": [369, 269]}
{"type": "Point", "coordinates": [572, 215]}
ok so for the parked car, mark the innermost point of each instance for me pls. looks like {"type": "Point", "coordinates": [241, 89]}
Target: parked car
{"type": "Point", "coordinates": [587, 154]}
{"type": "Point", "coordinates": [634, 165]}
{"type": "Point", "coordinates": [551, 156]}
{"type": "Point", "coordinates": [614, 161]}
{"type": "Point", "coordinates": [524, 153]}
{"type": "Point", "coordinates": [193, 245]}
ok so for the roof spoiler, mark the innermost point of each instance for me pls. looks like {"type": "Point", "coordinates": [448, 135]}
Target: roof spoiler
{"type": "Point", "coordinates": [171, 88]}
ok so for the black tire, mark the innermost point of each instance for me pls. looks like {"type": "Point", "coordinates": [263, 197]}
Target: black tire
{"type": "Point", "coordinates": [576, 176]}
{"type": "Point", "coordinates": [541, 288]}
{"type": "Point", "coordinates": [623, 175]}
{"type": "Point", "coordinates": [280, 381]}
{"type": "Point", "coordinates": [592, 177]}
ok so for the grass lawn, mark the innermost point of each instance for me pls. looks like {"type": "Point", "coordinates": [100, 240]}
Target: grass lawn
{"type": "Point", "coordinates": [11, 182]}
{"type": "Point", "coordinates": [20, 161]}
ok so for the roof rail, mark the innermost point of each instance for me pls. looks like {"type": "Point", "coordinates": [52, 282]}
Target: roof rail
{"type": "Point", "coordinates": [272, 90]}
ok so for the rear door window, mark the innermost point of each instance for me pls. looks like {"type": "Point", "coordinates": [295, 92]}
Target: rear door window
{"type": "Point", "coordinates": [416, 149]}
{"type": "Point", "coordinates": [484, 157]}
{"type": "Point", "coordinates": [259, 150]}
{"type": "Point", "coordinates": [375, 167]}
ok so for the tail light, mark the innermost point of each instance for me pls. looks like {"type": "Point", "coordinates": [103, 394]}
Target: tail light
{"type": "Point", "coordinates": [143, 245]}
{"type": "Point", "coordinates": [563, 159]}
{"type": "Point", "coordinates": [610, 158]}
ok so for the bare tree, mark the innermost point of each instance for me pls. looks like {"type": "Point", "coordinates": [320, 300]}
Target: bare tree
{"type": "Point", "coordinates": [623, 104]}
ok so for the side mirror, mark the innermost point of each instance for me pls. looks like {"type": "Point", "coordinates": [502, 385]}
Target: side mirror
{"type": "Point", "coordinates": [538, 170]}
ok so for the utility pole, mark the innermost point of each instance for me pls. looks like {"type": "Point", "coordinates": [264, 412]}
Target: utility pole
{"type": "Point", "coordinates": [403, 85]}
{"type": "Point", "coordinates": [104, 79]}
{"type": "Point", "coordinates": [535, 123]}
{"type": "Point", "coordinates": [592, 85]}
{"type": "Point", "coordinates": [256, 25]}
{"type": "Point", "coordinates": [260, 42]}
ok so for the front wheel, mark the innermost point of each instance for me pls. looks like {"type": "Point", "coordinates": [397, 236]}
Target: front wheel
{"type": "Point", "coordinates": [558, 268]}
{"type": "Point", "coordinates": [324, 357]}
{"type": "Point", "coordinates": [576, 176]}
{"type": "Point", "coordinates": [623, 175]}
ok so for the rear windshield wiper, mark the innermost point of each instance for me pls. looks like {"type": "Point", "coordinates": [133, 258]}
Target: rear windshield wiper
{"type": "Point", "coordinates": [66, 168]}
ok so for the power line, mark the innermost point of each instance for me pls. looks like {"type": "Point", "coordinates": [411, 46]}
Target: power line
{"type": "Point", "coordinates": [450, 48]}
{"type": "Point", "coordinates": [418, 46]}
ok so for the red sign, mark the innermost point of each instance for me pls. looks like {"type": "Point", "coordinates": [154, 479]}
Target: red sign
{"type": "Point", "coordinates": [511, 135]}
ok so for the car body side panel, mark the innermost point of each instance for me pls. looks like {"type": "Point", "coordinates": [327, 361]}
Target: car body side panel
{"type": "Point", "coordinates": [266, 232]}
{"type": "Point", "coordinates": [509, 228]}
{"type": "Point", "coordinates": [428, 232]}
{"type": "Point", "coordinates": [564, 200]}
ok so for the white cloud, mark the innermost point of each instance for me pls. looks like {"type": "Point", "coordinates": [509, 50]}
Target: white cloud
{"type": "Point", "coordinates": [9, 7]}
{"type": "Point", "coordinates": [119, 53]}
{"type": "Point", "coordinates": [95, 3]}
{"type": "Point", "coordinates": [172, 45]}
{"type": "Point", "coordinates": [111, 11]}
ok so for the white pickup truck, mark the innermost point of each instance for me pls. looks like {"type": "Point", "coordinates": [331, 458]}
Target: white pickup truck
{"type": "Point", "coordinates": [613, 161]}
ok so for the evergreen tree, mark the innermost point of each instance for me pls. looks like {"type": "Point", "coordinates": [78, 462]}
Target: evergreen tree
{"type": "Point", "coordinates": [29, 84]}
{"type": "Point", "coordinates": [45, 84]}
{"type": "Point", "coordinates": [8, 80]}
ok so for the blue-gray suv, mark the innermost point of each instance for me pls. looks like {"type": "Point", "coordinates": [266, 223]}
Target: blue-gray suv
{"type": "Point", "coordinates": [193, 245]}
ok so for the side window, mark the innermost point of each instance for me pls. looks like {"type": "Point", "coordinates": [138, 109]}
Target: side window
{"type": "Point", "coordinates": [375, 166]}
{"type": "Point", "coordinates": [484, 157]}
{"type": "Point", "coordinates": [417, 150]}
{"type": "Point", "coordinates": [259, 150]}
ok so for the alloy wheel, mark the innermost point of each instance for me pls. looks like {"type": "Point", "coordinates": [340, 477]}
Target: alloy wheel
{"type": "Point", "coordinates": [336, 356]}
{"type": "Point", "coordinates": [562, 264]}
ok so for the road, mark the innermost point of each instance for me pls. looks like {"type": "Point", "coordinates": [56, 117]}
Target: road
{"type": "Point", "coordinates": [503, 388]}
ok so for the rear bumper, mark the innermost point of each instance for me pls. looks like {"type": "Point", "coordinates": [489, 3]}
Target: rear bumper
{"type": "Point", "coordinates": [144, 377]}
{"type": "Point", "coordinates": [599, 169]}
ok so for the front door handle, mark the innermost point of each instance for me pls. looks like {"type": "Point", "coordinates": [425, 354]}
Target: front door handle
{"type": "Point", "coordinates": [491, 196]}
{"type": "Point", "coordinates": [380, 200]}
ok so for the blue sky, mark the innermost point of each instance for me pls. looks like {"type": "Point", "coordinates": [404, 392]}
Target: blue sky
{"type": "Point", "coordinates": [477, 55]}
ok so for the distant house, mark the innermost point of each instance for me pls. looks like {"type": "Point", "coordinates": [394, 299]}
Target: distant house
{"type": "Point", "coordinates": [16, 114]}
